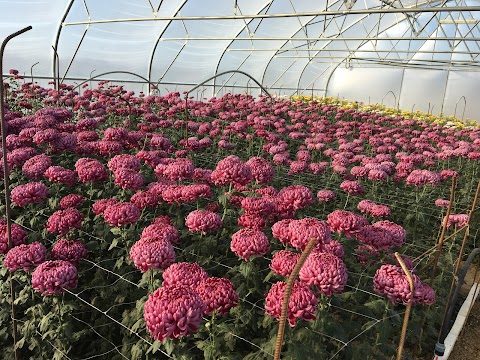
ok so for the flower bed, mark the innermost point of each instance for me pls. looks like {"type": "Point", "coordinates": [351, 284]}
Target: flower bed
{"type": "Point", "coordinates": [149, 227]}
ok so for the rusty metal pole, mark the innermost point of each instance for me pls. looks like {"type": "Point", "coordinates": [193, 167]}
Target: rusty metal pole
{"type": "Point", "coordinates": [6, 179]}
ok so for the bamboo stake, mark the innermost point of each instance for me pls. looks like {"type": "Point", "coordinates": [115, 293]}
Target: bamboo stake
{"type": "Point", "coordinates": [286, 298]}
{"type": "Point", "coordinates": [409, 306]}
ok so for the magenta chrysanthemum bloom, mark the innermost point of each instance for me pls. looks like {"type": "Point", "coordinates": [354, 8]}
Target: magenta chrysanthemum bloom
{"type": "Point", "coordinates": [302, 305]}
{"type": "Point", "coordinates": [99, 206]}
{"type": "Point", "coordinates": [61, 175]}
{"type": "Point", "coordinates": [172, 312]}
{"type": "Point", "coordinates": [352, 187]}
{"type": "Point", "coordinates": [335, 248]}
{"type": "Point", "coordinates": [252, 221]}
{"type": "Point", "coordinates": [62, 221]}
{"type": "Point", "coordinates": [184, 274]}
{"type": "Point", "coordinates": [70, 201]}
{"type": "Point", "coordinates": [218, 294]}
{"type": "Point", "coordinates": [459, 220]}
{"type": "Point", "coordinates": [398, 232]}
{"type": "Point", "coordinates": [69, 250]}
{"type": "Point", "coordinates": [281, 231]}
{"type": "Point", "coordinates": [325, 195]}
{"type": "Point", "coordinates": [144, 199]}
{"type": "Point", "coordinates": [326, 271]}
{"type": "Point", "coordinates": [231, 170]}
{"type": "Point", "coordinates": [283, 262]}
{"type": "Point", "coordinates": [25, 257]}
{"type": "Point", "coordinates": [33, 192]}
{"type": "Point", "coordinates": [377, 175]}
{"type": "Point", "coordinates": [203, 221]}
{"type": "Point", "coordinates": [262, 206]}
{"type": "Point", "coordinates": [262, 170]}
{"type": "Point", "coordinates": [51, 277]}
{"type": "Point", "coordinates": [124, 161]}
{"type": "Point", "coordinates": [151, 253]}
{"type": "Point", "coordinates": [35, 167]}
{"type": "Point", "coordinates": [128, 179]}
{"type": "Point", "coordinates": [442, 203]}
{"type": "Point", "coordinates": [249, 242]}
{"type": "Point", "coordinates": [293, 198]}
{"type": "Point", "coordinates": [90, 170]}
{"type": "Point", "coordinates": [365, 206]}
{"type": "Point", "coordinates": [390, 280]}
{"type": "Point", "coordinates": [423, 177]}
{"type": "Point", "coordinates": [18, 236]}
{"type": "Point", "coordinates": [380, 211]}
{"type": "Point", "coordinates": [160, 230]}
{"type": "Point", "coordinates": [121, 214]}
{"type": "Point", "coordinates": [378, 237]}
{"type": "Point", "coordinates": [346, 222]}
{"type": "Point", "coordinates": [304, 230]}
{"type": "Point", "coordinates": [179, 169]}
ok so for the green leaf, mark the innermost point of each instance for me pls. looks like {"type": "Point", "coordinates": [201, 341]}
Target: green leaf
{"type": "Point", "coordinates": [113, 244]}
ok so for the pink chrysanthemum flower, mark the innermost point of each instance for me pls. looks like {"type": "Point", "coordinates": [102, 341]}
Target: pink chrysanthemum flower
{"type": "Point", "coordinates": [302, 231]}
{"type": "Point", "coordinates": [25, 257]}
{"type": "Point", "coordinates": [184, 274]}
{"type": "Point", "coordinates": [160, 230]}
{"type": "Point", "coordinates": [172, 312]}
{"type": "Point", "coordinates": [283, 262]}
{"type": "Point", "coordinates": [99, 206]}
{"type": "Point", "coordinates": [218, 294]}
{"type": "Point", "coordinates": [69, 250]}
{"type": "Point", "coordinates": [18, 236]}
{"type": "Point", "coordinates": [90, 170]}
{"type": "Point", "coordinates": [33, 192]}
{"type": "Point", "coordinates": [390, 280]}
{"type": "Point", "coordinates": [62, 221]}
{"type": "Point", "coordinates": [231, 170]}
{"type": "Point", "coordinates": [459, 220]}
{"type": "Point", "coordinates": [346, 222]}
{"type": "Point", "coordinates": [35, 167]}
{"type": "Point", "coordinates": [325, 195]}
{"type": "Point", "coordinates": [352, 187]}
{"type": "Point", "coordinates": [203, 221]}
{"type": "Point", "coordinates": [61, 175]}
{"type": "Point", "coordinates": [51, 277]}
{"type": "Point", "coordinates": [121, 214]}
{"type": "Point", "coordinates": [326, 271]}
{"type": "Point", "coordinates": [442, 203]}
{"type": "Point", "coordinates": [70, 201]}
{"type": "Point", "coordinates": [262, 170]}
{"type": "Point", "coordinates": [397, 231]}
{"type": "Point", "coordinates": [249, 242]}
{"type": "Point", "coordinates": [302, 305]}
{"type": "Point", "coordinates": [151, 253]}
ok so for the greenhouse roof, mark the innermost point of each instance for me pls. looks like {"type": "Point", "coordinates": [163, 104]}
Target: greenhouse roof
{"type": "Point", "coordinates": [290, 46]}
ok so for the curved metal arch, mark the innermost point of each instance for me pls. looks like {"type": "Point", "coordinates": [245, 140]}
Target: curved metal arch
{"type": "Point", "coordinates": [154, 49]}
{"type": "Point", "coordinates": [116, 72]}
{"type": "Point", "coordinates": [57, 37]}
{"type": "Point", "coordinates": [296, 32]}
{"type": "Point", "coordinates": [357, 49]}
{"type": "Point", "coordinates": [328, 43]}
{"type": "Point", "coordinates": [247, 22]}
{"type": "Point", "coordinates": [228, 72]}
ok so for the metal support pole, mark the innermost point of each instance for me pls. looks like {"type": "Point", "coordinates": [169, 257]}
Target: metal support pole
{"type": "Point", "coordinates": [6, 179]}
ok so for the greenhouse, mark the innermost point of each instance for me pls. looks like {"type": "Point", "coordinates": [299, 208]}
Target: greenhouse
{"type": "Point", "coordinates": [281, 179]}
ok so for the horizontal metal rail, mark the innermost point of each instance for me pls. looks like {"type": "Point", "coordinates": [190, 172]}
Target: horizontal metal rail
{"type": "Point", "coordinates": [282, 16]}
{"type": "Point", "coordinates": [320, 38]}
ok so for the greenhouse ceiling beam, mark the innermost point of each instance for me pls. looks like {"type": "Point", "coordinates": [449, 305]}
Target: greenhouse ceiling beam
{"type": "Point", "coordinates": [57, 36]}
{"type": "Point", "coordinates": [407, 38]}
{"type": "Point", "coordinates": [154, 49]}
{"type": "Point", "coordinates": [393, 51]}
{"type": "Point", "coordinates": [282, 16]}
{"type": "Point", "coordinates": [265, 8]}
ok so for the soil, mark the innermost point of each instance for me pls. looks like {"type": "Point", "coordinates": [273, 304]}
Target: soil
{"type": "Point", "coordinates": [468, 344]}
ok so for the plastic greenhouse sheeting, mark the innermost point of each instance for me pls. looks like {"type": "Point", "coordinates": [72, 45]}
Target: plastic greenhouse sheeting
{"type": "Point", "coordinates": [413, 54]}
